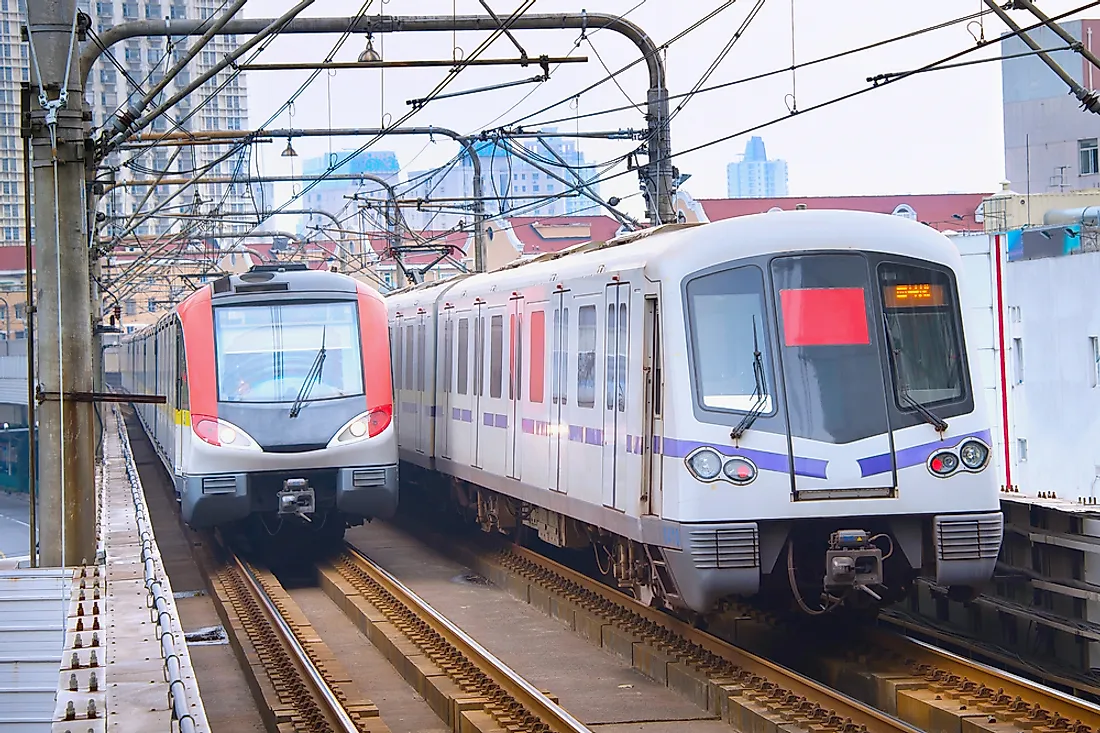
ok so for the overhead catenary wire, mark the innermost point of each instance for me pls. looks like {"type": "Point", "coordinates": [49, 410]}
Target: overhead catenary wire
{"type": "Point", "coordinates": [776, 72]}
{"type": "Point", "coordinates": [850, 95]}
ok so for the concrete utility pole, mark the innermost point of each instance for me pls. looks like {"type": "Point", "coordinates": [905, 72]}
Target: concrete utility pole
{"type": "Point", "coordinates": [656, 174]}
{"type": "Point", "coordinates": [66, 433]}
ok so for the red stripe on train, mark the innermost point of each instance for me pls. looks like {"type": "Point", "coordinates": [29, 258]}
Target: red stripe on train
{"type": "Point", "coordinates": [375, 343]}
{"type": "Point", "coordinates": [197, 317]}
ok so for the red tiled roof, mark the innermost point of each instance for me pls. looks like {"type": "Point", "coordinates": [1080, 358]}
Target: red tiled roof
{"type": "Point", "coordinates": [938, 210]}
{"type": "Point", "coordinates": [14, 259]}
{"type": "Point", "coordinates": [540, 234]}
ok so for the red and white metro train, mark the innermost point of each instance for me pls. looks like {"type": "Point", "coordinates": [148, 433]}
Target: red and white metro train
{"type": "Point", "coordinates": [279, 400]}
{"type": "Point", "coordinates": [778, 404]}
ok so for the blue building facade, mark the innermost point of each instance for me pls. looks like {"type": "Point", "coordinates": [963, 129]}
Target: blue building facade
{"type": "Point", "coordinates": [754, 176]}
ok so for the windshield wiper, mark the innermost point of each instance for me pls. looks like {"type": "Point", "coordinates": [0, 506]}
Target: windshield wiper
{"type": "Point", "coordinates": [313, 376]}
{"type": "Point", "coordinates": [903, 390]}
{"type": "Point", "coordinates": [760, 392]}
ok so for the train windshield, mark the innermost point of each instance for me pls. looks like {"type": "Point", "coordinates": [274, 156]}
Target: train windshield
{"type": "Point", "coordinates": [926, 351]}
{"type": "Point", "coordinates": [727, 332]}
{"type": "Point", "coordinates": [265, 352]}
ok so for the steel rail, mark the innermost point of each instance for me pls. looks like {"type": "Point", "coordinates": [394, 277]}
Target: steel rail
{"type": "Point", "coordinates": [1046, 698]}
{"type": "Point", "coordinates": [519, 688]}
{"type": "Point", "coordinates": [841, 704]}
{"type": "Point", "coordinates": [336, 710]}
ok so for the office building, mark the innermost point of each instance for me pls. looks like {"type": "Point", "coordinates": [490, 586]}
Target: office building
{"type": "Point", "coordinates": [1050, 142]}
{"type": "Point", "coordinates": [754, 176]}
{"type": "Point", "coordinates": [136, 64]}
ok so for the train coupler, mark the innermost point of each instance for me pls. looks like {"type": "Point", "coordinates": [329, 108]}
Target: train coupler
{"type": "Point", "coordinates": [853, 562]}
{"type": "Point", "coordinates": [297, 498]}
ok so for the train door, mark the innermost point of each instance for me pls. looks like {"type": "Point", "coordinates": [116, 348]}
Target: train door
{"type": "Point", "coordinates": [559, 366]}
{"type": "Point", "coordinates": [446, 370]}
{"type": "Point", "coordinates": [653, 426]}
{"type": "Point", "coordinates": [617, 310]}
{"type": "Point", "coordinates": [515, 385]}
{"type": "Point", "coordinates": [478, 386]}
{"type": "Point", "coordinates": [423, 400]}
{"type": "Point", "coordinates": [183, 397]}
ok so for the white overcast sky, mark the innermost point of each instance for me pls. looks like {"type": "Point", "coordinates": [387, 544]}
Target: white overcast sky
{"type": "Point", "coordinates": [935, 132]}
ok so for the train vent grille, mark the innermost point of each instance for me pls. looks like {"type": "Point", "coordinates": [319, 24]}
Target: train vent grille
{"type": "Point", "coordinates": [971, 538]}
{"type": "Point", "coordinates": [722, 549]}
{"type": "Point", "coordinates": [219, 484]}
{"type": "Point", "coordinates": [368, 478]}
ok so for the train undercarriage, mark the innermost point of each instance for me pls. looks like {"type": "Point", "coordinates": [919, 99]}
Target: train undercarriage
{"type": "Point", "coordinates": [826, 567]}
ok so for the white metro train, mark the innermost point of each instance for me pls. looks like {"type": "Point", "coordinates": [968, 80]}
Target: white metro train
{"type": "Point", "coordinates": [772, 404]}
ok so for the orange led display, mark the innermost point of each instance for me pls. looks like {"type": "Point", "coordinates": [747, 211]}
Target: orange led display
{"type": "Point", "coordinates": [913, 295]}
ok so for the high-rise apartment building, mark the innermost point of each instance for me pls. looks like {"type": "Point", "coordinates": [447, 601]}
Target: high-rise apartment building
{"type": "Point", "coordinates": [512, 186]}
{"type": "Point", "coordinates": [132, 67]}
{"type": "Point", "coordinates": [329, 197]}
{"type": "Point", "coordinates": [754, 176]}
{"type": "Point", "coordinates": [14, 70]}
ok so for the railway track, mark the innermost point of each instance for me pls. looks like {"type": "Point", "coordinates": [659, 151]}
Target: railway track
{"type": "Point", "coordinates": [888, 681]}
{"type": "Point", "coordinates": [297, 684]}
{"type": "Point", "coordinates": [742, 688]}
{"type": "Point", "coordinates": [457, 676]}
{"type": "Point", "coordinates": [301, 687]}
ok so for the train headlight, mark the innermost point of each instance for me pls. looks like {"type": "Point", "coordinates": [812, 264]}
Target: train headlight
{"type": "Point", "coordinates": [705, 464]}
{"type": "Point", "coordinates": [218, 432]}
{"type": "Point", "coordinates": [366, 425]}
{"type": "Point", "coordinates": [974, 455]}
{"type": "Point", "coordinates": [740, 470]}
{"type": "Point", "coordinates": [943, 464]}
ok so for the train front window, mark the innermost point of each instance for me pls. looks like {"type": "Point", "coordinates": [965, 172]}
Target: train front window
{"type": "Point", "coordinates": [728, 328]}
{"type": "Point", "coordinates": [265, 352]}
{"type": "Point", "coordinates": [921, 319]}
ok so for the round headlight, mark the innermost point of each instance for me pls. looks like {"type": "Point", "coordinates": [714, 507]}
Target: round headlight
{"type": "Point", "coordinates": [973, 454]}
{"type": "Point", "coordinates": [226, 434]}
{"type": "Point", "coordinates": [358, 429]}
{"type": "Point", "coordinates": [706, 464]}
{"type": "Point", "coordinates": [943, 463]}
{"type": "Point", "coordinates": [739, 471]}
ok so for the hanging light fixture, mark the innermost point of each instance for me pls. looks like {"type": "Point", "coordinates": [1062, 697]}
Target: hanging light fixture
{"type": "Point", "coordinates": [290, 152]}
{"type": "Point", "coordinates": [369, 55]}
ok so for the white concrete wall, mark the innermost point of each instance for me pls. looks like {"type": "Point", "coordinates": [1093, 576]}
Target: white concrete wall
{"type": "Point", "coordinates": [977, 284]}
{"type": "Point", "coordinates": [1057, 405]}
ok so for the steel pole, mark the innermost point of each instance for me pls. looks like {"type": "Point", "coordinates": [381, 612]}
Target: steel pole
{"type": "Point", "coordinates": [28, 331]}
{"type": "Point", "coordinates": [656, 174]}
{"type": "Point", "coordinates": [67, 479]}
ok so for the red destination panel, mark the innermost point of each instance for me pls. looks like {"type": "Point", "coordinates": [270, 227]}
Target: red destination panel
{"type": "Point", "coordinates": [824, 317]}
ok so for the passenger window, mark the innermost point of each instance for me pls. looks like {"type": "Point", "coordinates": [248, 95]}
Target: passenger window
{"type": "Point", "coordinates": [538, 356]}
{"type": "Point", "coordinates": [610, 351]}
{"type": "Point", "coordinates": [586, 356]}
{"type": "Point", "coordinates": [496, 356]}
{"type": "Point", "coordinates": [409, 383]}
{"type": "Point", "coordinates": [448, 354]}
{"type": "Point", "coordinates": [183, 395]}
{"type": "Point", "coordinates": [621, 377]}
{"type": "Point", "coordinates": [479, 356]}
{"type": "Point", "coordinates": [395, 352]}
{"type": "Point", "coordinates": [463, 353]}
{"type": "Point", "coordinates": [421, 356]}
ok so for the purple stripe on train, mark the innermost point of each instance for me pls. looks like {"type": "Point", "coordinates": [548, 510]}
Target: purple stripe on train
{"type": "Point", "coordinates": [494, 420]}
{"type": "Point", "coordinates": [764, 460]}
{"type": "Point", "coordinates": [462, 415]}
{"type": "Point", "coordinates": [914, 456]}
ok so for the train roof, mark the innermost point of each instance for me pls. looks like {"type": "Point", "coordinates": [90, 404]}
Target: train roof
{"type": "Point", "coordinates": [672, 251]}
{"type": "Point", "coordinates": [290, 277]}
